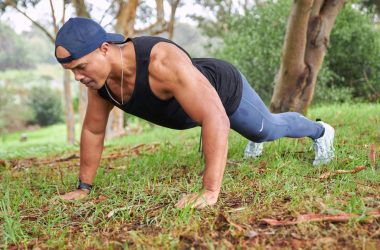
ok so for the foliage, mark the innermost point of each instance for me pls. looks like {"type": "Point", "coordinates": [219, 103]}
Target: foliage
{"type": "Point", "coordinates": [256, 50]}
{"type": "Point", "coordinates": [218, 25]}
{"type": "Point", "coordinates": [15, 85]}
{"type": "Point", "coordinates": [141, 186]}
{"type": "Point", "coordinates": [371, 5]}
{"type": "Point", "coordinates": [23, 3]}
{"type": "Point", "coordinates": [354, 54]}
{"type": "Point", "coordinates": [46, 105]}
{"type": "Point", "coordinates": [13, 52]}
{"type": "Point", "coordinates": [12, 113]}
{"type": "Point", "coordinates": [37, 39]}
{"type": "Point", "coordinates": [254, 41]}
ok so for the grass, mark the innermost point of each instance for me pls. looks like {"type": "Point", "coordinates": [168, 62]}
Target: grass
{"type": "Point", "coordinates": [141, 185]}
{"type": "Point", "coordinates": [41, 142]}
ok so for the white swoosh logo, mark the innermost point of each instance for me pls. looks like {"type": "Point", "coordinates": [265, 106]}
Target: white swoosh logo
{"type": "Point", "coordinates": [262, 126]}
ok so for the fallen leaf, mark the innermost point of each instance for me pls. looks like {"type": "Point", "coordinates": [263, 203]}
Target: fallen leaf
{"type": "Point", "coordinates": [318, 218]}
{"type": "Point", "coordinates": [236, 210]}
{"type": "Point", "coordinates": [251, 234]}
{"type": "Point", "coordinates": [100, 198]}
{"type": "Point", "coordinates": [222, 223]}
{"type": "Point", "coordinates": [116, 210]}
{"type": "Point", "coordinates": [327, 175]}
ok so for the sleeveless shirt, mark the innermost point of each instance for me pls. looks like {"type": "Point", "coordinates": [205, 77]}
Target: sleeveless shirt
{"type": "Point", "coordinates": [224, 77]}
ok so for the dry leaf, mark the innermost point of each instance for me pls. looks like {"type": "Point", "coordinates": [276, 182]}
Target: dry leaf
{"type": "Point", "coordinates": [222, 222]}
{"type": "Point", "coordinates": [116, 210]}
{"type": "Point", "coordinates": [317, 218]}
{"type": "Point", "coordinates": [100, 198]}
{"type": "Point", "coordinates": [251, 234]}
{"type": "Point", "coordinates": [327, 175]}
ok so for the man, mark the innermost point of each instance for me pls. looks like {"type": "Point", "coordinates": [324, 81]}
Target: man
{"type": "Point", "coordinates": [155, 79]}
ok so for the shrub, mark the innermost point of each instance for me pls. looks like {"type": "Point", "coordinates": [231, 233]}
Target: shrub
{"type": "Point", "coordinates": [46, 106]}
{"type": "Point", "coordinates": [354, 54]}
{"type": "Point", "coordinates": [254, 43]}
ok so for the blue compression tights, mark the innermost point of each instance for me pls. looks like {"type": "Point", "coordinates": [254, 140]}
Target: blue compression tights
{"type": "Point", "coordinates": [253, 120]}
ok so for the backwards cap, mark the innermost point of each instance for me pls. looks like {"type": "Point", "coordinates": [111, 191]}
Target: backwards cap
{"type": "Point", "coordinates": [80, 36]}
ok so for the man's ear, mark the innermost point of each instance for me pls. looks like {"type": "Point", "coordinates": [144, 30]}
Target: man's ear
{"type": "Point", "coordinates": [104, 48]}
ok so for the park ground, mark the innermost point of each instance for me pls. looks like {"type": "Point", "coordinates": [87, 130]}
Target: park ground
{"type": "Point", "coordinates": [276, 201]}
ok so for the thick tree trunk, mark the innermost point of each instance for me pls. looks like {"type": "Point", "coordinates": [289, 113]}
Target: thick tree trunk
{"type": "Point", "coordinates": [306, 40]}
{"type": "Point", "coordinates": [69, 111]}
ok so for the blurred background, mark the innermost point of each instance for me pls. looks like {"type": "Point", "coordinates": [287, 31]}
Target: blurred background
{"type": "Point", "coordinates": [35, 92]}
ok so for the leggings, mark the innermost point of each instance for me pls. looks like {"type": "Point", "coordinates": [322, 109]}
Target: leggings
{"type": "Point", "coordinates": [253, 120]}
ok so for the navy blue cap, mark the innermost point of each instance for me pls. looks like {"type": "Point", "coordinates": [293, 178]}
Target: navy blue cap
{"type": "Point", "coordinates": [80, 36]}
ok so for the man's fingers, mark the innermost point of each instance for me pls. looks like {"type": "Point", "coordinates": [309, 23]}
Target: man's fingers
{"type": "Point", "coordinates": [194, 200]}
{"type": "Point", "coordinates": [200, 202]}
{"type": "Point", "coordinates": [186, 200]}
{"type": "Point", "coordinates": [75, 195]}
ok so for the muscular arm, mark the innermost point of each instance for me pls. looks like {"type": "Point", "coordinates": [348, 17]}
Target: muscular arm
{"type": "Point", "coordinates": [92, 139]}
{"type": "Point", "coordinates": [92, 136]}
{"type": "Point", "coordinates": [173, 74]}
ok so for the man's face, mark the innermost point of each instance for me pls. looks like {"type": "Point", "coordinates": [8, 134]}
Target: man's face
{"type": "Point", "coordinates": [92, 69]}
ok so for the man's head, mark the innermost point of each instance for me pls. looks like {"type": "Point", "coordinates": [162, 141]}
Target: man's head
{"type": "Point", "coordinates": [82, 45]}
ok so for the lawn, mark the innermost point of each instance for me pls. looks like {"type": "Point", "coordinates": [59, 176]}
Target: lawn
{"type": "Point", "coordinates": [142, 176]}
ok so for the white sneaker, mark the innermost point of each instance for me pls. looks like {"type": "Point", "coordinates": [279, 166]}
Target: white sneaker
{"type": "Point", "coordinates": [324, 148]}
{"type": "Point", "coordinates": [253, 149]}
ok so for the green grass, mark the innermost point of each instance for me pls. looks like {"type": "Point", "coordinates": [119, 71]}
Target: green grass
{"type": "Point", "coordinates": [281, 184]}
{"type": "Point", "coordinates": [41, 142]}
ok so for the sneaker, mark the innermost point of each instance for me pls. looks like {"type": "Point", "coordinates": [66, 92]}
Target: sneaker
{"type": "Point", "coordinates": [253, 149]}
{"type": "Point", "coordinates": [324, 148]}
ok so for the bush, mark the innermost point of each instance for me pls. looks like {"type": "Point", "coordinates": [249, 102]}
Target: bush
{"type": "Point", "coordinates": [46, 106]}
{"type": "Point", "coordinates": [254, 43]}
{"type": "Point", "coordinates": [13, 114]}
{"type": "Point", "coordinates": [354, 54]}
{"type": "Point", "coordinates": [13, 52]}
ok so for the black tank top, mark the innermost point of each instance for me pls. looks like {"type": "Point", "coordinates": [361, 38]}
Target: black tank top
{"type": "Point", "coordinates": [224, 77]}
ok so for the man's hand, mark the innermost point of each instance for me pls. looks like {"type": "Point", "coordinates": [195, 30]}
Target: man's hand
{"type": "Point", "coordinates": [198, 200]}
{"type": "Point", "coordinates": [75, 195]}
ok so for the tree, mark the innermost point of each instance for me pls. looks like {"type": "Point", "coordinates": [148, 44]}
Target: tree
{"type": "Point", "coordinates": [354, 54]}
{"type": "Point", "coordinates": [50, 31]}
{"type": "Point", "coordinates": [46, 105]}
{"type": "Point", "coordinates": [373, 4]}
{"type": "Point", "coordinates": [306, 41]}
{"type": "Point", "coordinates": [125, 12]}
{"type": "Point", "coordinates": [13, 53]}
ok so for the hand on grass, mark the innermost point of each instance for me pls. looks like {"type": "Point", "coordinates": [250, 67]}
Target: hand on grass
{"type": "Point", "coordinates": [198, 200]}
{"type": "Point", "coordinates": [75, 195]}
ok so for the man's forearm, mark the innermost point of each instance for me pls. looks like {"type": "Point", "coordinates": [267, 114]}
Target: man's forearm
{"type": "Point", "coordinates": [215, 146]}
{"type": "Point", "coordinates": [91, 148]}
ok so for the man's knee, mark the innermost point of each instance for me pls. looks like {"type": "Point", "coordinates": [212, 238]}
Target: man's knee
{"type": "Point", "coordinates": [266, 134]}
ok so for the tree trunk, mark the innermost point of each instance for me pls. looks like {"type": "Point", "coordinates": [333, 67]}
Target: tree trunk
{"type": "Point", "coordinates": [306, 40]}
{"type": "Point", "coordinates": [174, 5]}
{"type": "Point", "coordinates": [82, 105]}
{"type": "Point", "coordinates": [81, 10]}
{"type": "Point", "coordinates": [125, 22]}
{"type": "Point", "coordinates": [69, 111]}
{"type": "Point", "coordinates": [126, 17]}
